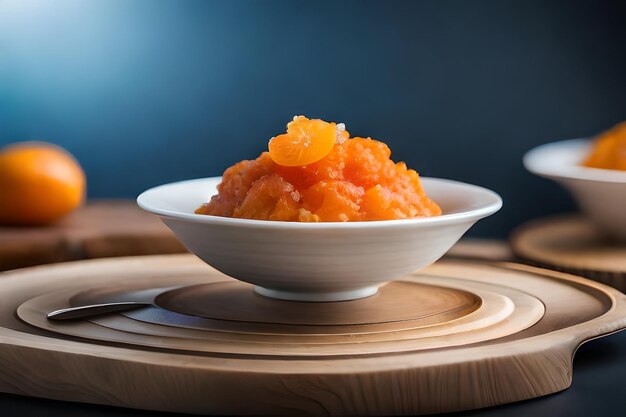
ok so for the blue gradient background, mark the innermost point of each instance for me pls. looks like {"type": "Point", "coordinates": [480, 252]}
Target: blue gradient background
{"type": "Point", "coordinates": [146, 91]}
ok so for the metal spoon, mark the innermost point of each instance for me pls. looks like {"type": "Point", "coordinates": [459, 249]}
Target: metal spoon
{"type": "Point", "coordinates": [81, 312]}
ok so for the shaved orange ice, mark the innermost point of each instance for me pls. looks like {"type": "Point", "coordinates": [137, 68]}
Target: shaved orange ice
{"type": "Point", "coordinates": [316, 173]}
{"type": "Point", "coordinates": [609, 149]}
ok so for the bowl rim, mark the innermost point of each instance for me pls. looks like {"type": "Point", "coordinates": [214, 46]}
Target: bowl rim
{"type": "Point", "coordinates": [494, 204]}
{"type": "Point", "coordinates": [569, 171]}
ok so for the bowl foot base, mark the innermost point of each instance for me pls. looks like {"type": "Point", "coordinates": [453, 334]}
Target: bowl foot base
{"type": "Point", "coordinates": [319, 297]}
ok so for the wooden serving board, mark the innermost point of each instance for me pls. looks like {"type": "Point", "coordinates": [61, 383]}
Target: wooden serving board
{"type": "Point", "coordinates": [570, 243]}
{"type": "Point", "coordinates": [456, 336]}
{"type": "Point", "coordinates": [99, 229]}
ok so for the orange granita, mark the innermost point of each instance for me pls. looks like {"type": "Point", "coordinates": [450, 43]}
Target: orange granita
{"type": "Point", "coordinates": [609, 149]}
{"type": "Point", "coordinates": [316, 173]}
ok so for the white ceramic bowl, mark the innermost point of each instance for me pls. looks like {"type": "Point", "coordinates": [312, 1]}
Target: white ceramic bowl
{"type": "Point", "coordinates": [318, 261]}
{"type": "Point", "coordinates": [600, 193]}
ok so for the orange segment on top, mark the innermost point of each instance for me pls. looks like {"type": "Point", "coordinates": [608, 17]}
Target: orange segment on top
{"type": "Point", "coordinates": [305, 142]}
{"type": "Point", "coordinates": [316, 173]}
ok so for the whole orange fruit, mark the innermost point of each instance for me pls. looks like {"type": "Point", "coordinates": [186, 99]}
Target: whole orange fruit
{"type": "Point", "coordinates": [39, 183]}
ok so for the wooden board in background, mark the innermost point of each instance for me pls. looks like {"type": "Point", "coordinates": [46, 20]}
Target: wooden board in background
{"type": "Point", "coordinates": [570, 243]}
{"type": "Point", "coordinates": [100, 229]}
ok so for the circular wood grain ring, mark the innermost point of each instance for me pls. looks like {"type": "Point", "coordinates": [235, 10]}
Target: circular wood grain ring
{"type": "Point", "coordinates": [570, 243]}
{"type": "Point", "coordinates": [235, 301]}
{"type": "Point", "coordinates": [500, 315]}
{"type": "Point", "coordinates": [515, 309]}
{"type": "Point", "coordinates": [494, 307]}
{"type": "Point", "coordinates": [394, 302]}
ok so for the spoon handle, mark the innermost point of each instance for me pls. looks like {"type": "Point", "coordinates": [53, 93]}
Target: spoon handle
{"type": "Point", "coordinates": [94, 310]}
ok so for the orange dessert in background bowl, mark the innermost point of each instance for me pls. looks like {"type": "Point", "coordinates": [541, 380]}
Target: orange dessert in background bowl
{"type": "Point", "coordinates": [594, 171]}
{"type": "Point", "coordinates": [320, 216]}
{"type": "Point", "coordinates": [609, 150]}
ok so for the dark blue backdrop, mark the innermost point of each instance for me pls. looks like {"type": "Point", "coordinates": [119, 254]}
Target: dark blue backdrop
{"type": "Point", "coordinates": [146, 92]}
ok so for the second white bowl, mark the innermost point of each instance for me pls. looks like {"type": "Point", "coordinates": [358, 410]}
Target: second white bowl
{"type": "Point", "coordinates": [318, 261]}
{"type": "Point", "coordinates": [600, 193]}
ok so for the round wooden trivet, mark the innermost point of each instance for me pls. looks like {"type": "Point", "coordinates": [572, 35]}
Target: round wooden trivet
{"type": "Point", "coordinates": [100, 229]}
{"type": "Point", "coordinates": [460, 320]}
{"type": "Point", "coordinates": [499, 333]}
{"type": "Point", "coordinates": [572, 244]}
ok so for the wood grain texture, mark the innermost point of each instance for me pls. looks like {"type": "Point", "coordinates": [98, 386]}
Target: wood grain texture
{"type": "Point", "coordinates": [100, 229]}
{"type": "Point", "coordinates": [395, 302]}
{"type": "Point", "coordinates": [522, 363]}
{"type": "Point", "coordinates": [570, 243]}
{"type": "Point", "coordinates": [461, 320]}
